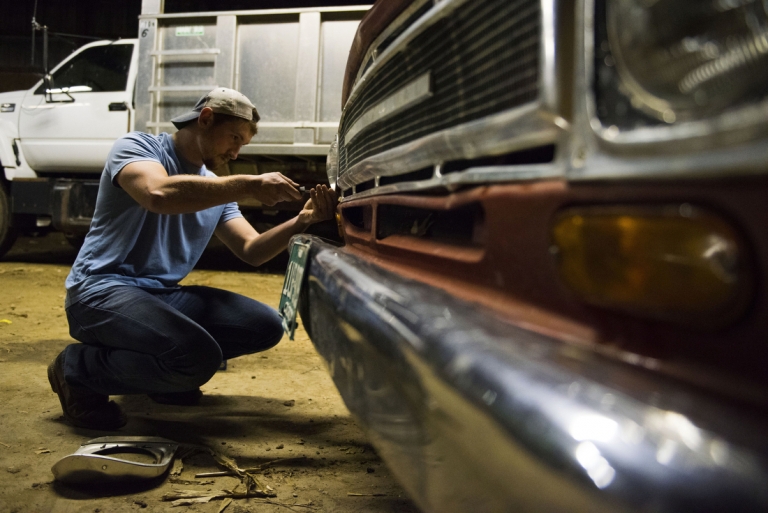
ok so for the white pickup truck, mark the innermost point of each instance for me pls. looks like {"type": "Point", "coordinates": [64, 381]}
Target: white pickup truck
{"type": "Point", "coordinates": [57, 134]}
{"type": "Point", "coordinates": [55, 137]}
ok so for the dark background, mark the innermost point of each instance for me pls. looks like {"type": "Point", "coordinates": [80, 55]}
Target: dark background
{"type": "Point", "coordinates": [103, 19]}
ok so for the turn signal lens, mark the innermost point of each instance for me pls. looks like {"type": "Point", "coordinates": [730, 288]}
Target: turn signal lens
{"type": "Point", "coordinates": [675, 263]}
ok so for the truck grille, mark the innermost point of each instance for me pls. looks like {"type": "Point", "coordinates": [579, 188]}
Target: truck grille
{"type": "Point", "coordinates": [483, 58]}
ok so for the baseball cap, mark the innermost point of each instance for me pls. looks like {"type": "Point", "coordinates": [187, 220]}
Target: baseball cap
{"type": "Point", "coordinates": [221, 100]}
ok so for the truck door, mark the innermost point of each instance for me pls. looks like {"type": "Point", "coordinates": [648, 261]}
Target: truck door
{"type": "Point", "coordinates": [89, 106]}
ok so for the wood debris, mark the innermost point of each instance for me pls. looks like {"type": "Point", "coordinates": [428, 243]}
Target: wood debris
{"type": "Point", "coordinates": [177, 480]}
{"type": "Point", "coordinates": [216, 474]}
{"type": "Point", "coordinates": [178, 467]}
{"type": "Point", "coordinates": [187, 497]}
{"type": "Point", "coordinates": [224, 504]}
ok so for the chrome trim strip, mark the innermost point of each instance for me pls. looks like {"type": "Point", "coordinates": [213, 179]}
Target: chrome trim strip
{"type": "Point", "coordinates": [320, 150]}
{"type": "Point", "coordinates": [548, 56]}
{"type": "Point", "coordinates": [440, 11]}
{"type": "Point", "coordinates": [736, 161]}
{"type": "Point", "coordinates": [260, 12]}
{"type": "Point", "coordinates": [266, 124]}
{"type": "Point", "coordinates": [402, 18]}
{"type": "Point", "coordinates": [409, 95]}
{"type": "Point", "coordinates": [512, 130]}
{"type": "Point", "coordinates": [747, 123]}
{"type": "Point", "coordinates": [471, 176]}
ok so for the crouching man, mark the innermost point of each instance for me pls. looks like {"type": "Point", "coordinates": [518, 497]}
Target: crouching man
{"type": "Point", "coordinates": [158, 206]}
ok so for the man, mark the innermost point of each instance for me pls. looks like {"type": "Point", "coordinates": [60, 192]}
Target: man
{"type": "Point", "coordinates": [157, 208]}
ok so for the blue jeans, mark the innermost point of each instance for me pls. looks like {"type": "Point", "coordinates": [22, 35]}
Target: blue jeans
{"type": "Point", "coordinates": [138, 341]}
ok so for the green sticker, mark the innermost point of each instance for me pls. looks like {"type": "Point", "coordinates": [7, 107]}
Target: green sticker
{"type": "Point", "coordinates": [196, 30]}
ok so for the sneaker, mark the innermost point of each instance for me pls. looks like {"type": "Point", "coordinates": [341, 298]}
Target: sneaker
{"type": "Point", "coordinates": [187, 398]}
{"type": "Point", "coordinates": [83, 407]}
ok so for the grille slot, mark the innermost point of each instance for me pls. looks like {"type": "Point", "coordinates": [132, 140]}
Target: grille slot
{"type": "Point", "coordinates": [483, 58]}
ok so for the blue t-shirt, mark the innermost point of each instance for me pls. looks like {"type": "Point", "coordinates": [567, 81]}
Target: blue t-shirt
{"type": "Point", "coordinates": [129, 245]}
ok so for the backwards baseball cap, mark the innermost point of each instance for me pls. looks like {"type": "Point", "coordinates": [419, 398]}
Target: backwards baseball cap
{"type": "Point", "coordinates": [222, 101]}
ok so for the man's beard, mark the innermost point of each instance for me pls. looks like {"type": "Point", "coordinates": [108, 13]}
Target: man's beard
{"type": "Point", "coordinates": [217, 161]}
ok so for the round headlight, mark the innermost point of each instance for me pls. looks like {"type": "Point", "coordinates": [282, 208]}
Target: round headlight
{"type": "Point", "coordinates": [680, 60]}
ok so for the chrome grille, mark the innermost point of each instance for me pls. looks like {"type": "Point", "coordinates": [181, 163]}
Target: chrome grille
{"type": "Point", "coordinates": [483, 58]}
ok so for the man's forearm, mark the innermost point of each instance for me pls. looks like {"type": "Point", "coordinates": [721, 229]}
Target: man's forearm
{"type": "Point", "coordinates": [269, 244]}
{"type": "Point", "coordinates": [182, 194]}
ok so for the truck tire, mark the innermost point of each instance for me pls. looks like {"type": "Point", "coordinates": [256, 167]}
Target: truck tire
{"type": "Point", "coordinates": [8, 230]}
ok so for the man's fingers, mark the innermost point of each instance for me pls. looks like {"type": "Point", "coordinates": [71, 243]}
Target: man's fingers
{"type": "Point", "coordinates": [294, 194]}
{"type": "Point", "coordinates": [326, 199]}
{"type": "Point", "coordinates": [296, 185]}
{"type": "Point", "coordinates": [324, 202]}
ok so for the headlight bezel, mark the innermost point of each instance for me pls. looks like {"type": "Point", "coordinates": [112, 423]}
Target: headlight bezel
{"type": "Point", "coordinates": [742, 123]}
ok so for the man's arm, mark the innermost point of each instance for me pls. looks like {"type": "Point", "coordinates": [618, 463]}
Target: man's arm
{"type": "Point", "coordinates": [148, 183]}
{"type": "Point", "coordinates": [256, 248]}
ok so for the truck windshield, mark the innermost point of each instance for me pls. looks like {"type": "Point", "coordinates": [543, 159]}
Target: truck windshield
{"type": "Point", "coordinates": [101, 68]}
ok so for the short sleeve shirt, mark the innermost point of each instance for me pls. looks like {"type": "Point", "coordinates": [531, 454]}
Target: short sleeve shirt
{"type": "Point", "coordinates": [129, 245]}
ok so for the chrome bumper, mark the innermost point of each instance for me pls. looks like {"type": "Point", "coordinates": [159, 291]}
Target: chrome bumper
{"type": "Point", "coordinates": [474, 414]}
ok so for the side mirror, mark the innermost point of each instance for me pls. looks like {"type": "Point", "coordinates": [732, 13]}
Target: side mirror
{"type": "Point", "coordinates": [50, 90]}
{"type": "Point", "coordinates": [47, 86]}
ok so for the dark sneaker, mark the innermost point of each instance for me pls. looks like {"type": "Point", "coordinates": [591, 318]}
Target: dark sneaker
{"type": "Point", "coordinates": [83, 407]}
{"type": "Point", "coordinates": [188, 398]}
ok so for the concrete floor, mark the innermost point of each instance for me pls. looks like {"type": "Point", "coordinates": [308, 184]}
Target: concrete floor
{"type": "Point", "coordinates": [246, 413]}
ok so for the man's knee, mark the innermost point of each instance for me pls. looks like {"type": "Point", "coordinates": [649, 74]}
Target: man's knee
{"type": "Point", "coordinates": [273, 331]}
{"type": "Point", "coordinates": [196, 367]}
{"type": "Point", "coordinates": [264, 335]}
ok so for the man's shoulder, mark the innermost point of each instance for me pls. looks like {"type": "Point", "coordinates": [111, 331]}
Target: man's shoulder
{"type": "Point", "coordinates": [135, 145]}
{"type": "Point", "coordinates": [141, 139]}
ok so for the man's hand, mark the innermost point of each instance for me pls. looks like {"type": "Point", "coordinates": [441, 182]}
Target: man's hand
{"type": "Point", "coordinates": [256, 248]}
{"type": "Point", "coordinates": [321, 205]}
{"type": "Point", "coordinates": [272, 188]}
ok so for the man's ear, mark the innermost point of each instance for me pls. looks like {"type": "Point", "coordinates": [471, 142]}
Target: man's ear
{"type": "Point", "coordinates": [205, 120]}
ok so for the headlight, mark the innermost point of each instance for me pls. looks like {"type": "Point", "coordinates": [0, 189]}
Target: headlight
{"type": "Point", "coordinates": [662, 61]}
{"type": "Point", "coordinates": [332, 163]}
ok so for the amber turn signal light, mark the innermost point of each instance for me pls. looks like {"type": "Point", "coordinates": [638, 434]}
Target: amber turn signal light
{"type": "Point", "coordinates": [675, 262]}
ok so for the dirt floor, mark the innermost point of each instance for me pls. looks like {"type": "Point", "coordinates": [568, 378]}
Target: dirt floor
{"type": "Point", "coordinates": [280, 404]}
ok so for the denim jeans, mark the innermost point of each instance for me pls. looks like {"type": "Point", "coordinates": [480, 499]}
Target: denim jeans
{"type": "Point", "coordinates": [138, 341]}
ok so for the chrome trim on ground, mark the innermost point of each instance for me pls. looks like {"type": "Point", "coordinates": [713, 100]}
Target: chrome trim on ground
{"type": "Point", "coordinates": [454, 398]}
{"type": "Point", "coordinates": [512, 130]}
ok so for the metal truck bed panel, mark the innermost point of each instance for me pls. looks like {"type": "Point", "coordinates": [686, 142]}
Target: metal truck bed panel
{"type": "Point", "coordinates": [289, 62]}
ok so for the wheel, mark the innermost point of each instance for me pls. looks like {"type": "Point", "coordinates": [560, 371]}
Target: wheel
{"type": "Point", "coordinates": [8, 230]}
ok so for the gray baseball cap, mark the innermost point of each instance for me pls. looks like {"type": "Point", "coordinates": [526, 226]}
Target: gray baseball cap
{"type": "Point", "coordinates": [223, 101]}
